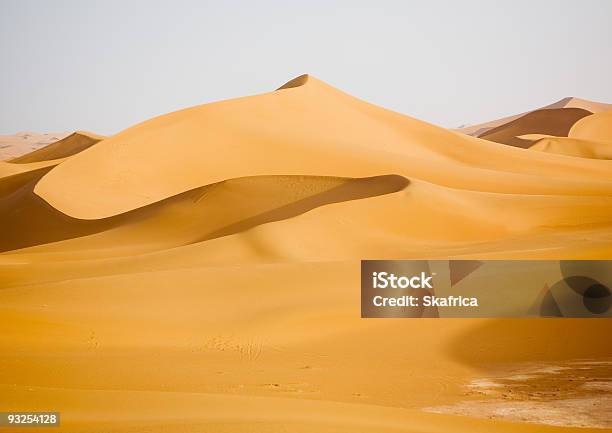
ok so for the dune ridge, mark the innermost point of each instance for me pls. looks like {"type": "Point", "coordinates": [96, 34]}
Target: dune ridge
{"type": "Point", "coordinates": [597, 127]}
{"type": "Point", "coordinates": [567, 102]}
{"type": "Point", "coordinates": [551, 121]}
{"type": "Point", "coordinates": [67, 146]}
{"type": "Point", "coordinates": [12, 146]}
{"type": "Point", "coordinates": [220, 141]}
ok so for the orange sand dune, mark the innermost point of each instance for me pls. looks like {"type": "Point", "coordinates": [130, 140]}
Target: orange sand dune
{"type": "Point", "coordinates": [557, 121]}
{"type": "Point", "coordinates": [569, 102]}
{"type": "Point", "coordinates": [220, 141]}
{"type": "Point", "coordinates": [597, 127]}
{"type": "Point", "coordinates": [199, 272]}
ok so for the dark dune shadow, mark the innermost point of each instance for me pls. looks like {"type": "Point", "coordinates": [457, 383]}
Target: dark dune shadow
{"type": "Point", "coordinates": [27, 220]}
{"type": "Point", "coordinates": [557, 121]}
{"type": "Point", "coordinates": [353, 189]}
{"type": "Point", "coordinates": [10, 184]}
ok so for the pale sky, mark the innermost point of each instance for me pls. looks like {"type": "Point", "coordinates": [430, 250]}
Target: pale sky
{"type": "Point", "coordinates": [106, 65]}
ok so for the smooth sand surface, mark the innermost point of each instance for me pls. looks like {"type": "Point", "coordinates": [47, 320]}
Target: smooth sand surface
{"type": "Point", "coordinates": [199, 272]}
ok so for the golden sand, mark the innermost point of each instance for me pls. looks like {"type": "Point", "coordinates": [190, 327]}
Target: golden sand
{"type": "Point", "coordinates": [199, 272]}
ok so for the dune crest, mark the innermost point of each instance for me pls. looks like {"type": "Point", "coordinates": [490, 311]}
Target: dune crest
{"type": "Point", "coordinates": [12, 146]}
{"type": "Point", "coordinates": [208, 212]}
{"type": "Point", "coordinates": [597, 127]}
{"type": "Point", "coordinates": [67, 146]}
{"type": "Point", "coordinates": [567, 102]}
{"type": "Point", "coordinates": [333, 133]}
{"type": "Point", "coordinates": [551, 121]}
{"type": "Point", "coordinates": [296, 82]}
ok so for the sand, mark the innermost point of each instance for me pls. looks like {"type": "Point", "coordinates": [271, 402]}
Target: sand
{"type": "Point", "coordinates": [569, 102]}
{"type": "Point", "coordinates": [12, 146]}
{"type": "Point", "coordinates": [199, 272]}
{"type": "Point", "coordinates": [597, 127]}
{"type": "Point", "coordinates": [552, 121]}
{"type": "Point", "coordinates": [574, 147]}
{"type": "Point", "coordinates": [67, 146]}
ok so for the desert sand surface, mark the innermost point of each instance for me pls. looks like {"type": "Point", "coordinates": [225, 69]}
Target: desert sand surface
{"type": "Point", "coordinates": [12, 146]}
{"type": "Point", "coordinates": [199, 272]}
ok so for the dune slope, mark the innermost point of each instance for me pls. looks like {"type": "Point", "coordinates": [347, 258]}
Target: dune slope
{"type": "Point", "coordinates": [568, 102]}
{"type": "Point", "coordinates": [597, 127]}
{"type": "Point", "coordinates": [12, 146]}
{"type": "Point", "coordinates": [224, 140]}
{"type": "Point", "coordinates": [556, 121]}
{"type": "Point", "coordinates": [67, 146]}
{"type": "Point", "coordinates": [574, 147]}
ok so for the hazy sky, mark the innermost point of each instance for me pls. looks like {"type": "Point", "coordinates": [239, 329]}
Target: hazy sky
{"type": "Point", "coordinates": [105, 65]}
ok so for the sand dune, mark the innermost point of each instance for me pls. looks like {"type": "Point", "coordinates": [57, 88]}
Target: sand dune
{"type": "Point", "coordinates": [589, 137]}
{"type": "Point", "coordinates": [557, 121]}
{"type": "Point", "coordinates": [204, 213]}
{"type": "Point", "coordinates": [12, 146]}
{"type": "Point", "coordinates": [569, 102]}
{"type": "Point", "coordinates": [67, 146]}
{"type": "Point", "coordinates": [597, 127]}
{"type": "Point", "coordinates": [200, 271]}
{"type": "Point", "coordinates": [220, 141]}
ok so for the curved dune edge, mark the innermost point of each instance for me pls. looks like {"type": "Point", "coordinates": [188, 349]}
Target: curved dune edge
{"type": "Point", "coordinates": [261, 220]}
{"type": "Point", "coordinates": [557, 121]}
{"type": "Point", "coordinates": [568, 102]}
{"type": "Point", "coordinates": [198, 215]}
{"type": "Point", "coordinates": [12, 146]}
{"type": "Point", "coordinates": [333, 133]}
{"type": "Point", "coordinates": [597, 127]}
{"type": "Point", "coordinates": [296, 82]}
{"type": "Point", "coordinates": [67, 146]}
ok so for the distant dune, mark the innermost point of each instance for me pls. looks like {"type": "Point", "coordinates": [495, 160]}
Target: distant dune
{"type": "Point", "coordinates": [199, 272]}
{"type": "Point", "coordinates": [551, 121]}
{"type": "Point", "coordinates": [67, 146]}
{"type": "Point", "coordinates": [12, 146]}
{"type": "Point", "coordinates": [569, 102]}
